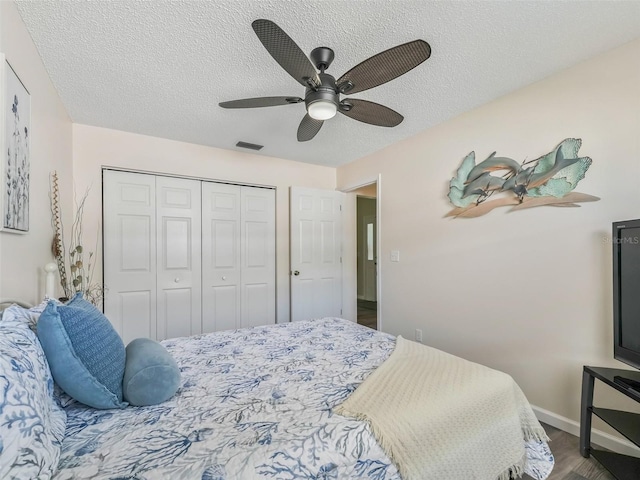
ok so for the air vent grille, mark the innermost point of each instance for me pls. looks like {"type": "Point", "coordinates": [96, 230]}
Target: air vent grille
{"type": "Point", "coordinates": [250, 146]}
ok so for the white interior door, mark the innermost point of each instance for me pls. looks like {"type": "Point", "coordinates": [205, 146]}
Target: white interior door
{"type": "Point", "coordinates": [178, 211]}
{"type": "Point", "coordinates": [258, 246]}
{"type": "Point", "coordinates": [238, 253]}
{"type": "Point", "coordinates": [316, 239]}
{"type": "Point", "coordinates": [221, 290]}
{"type": "Point", "coordinates": [369, 257]}
{"type": "Point", "coordinates": [130, 253]}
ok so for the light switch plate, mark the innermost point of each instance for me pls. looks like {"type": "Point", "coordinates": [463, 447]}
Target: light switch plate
{"type": "Point", "coordinates": [395, 255]}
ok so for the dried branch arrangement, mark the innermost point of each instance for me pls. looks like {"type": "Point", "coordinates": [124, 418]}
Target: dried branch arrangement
{"type": "Point", "coordinates": [75, 270]}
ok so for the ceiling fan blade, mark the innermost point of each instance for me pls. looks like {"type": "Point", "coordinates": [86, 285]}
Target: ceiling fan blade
{"type": "Point", "coordinates": [370, 112]}
{"type": "Point", "coordinates": [286, 52]}
{"type": "Point", "coordinates": [384, 67]}
{"type": "Point", "coordinates": [308, 128]}
{"type": "Point", "coordinates": [260, 102]}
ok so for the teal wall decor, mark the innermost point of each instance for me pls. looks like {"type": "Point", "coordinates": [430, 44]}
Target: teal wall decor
{"type": "Point", "coordinates": [501, 181]}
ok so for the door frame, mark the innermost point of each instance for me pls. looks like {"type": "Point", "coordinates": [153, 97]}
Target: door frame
{"type": "Point", "coordinates": [350, 265]}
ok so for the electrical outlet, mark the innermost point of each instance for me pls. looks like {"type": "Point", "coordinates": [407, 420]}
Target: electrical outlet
{"type": "Point", "coordinates": [418, 335]}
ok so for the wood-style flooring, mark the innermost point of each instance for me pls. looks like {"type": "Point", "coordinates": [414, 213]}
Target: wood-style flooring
{"type": "Point", "coordinates": [368, 314]}
{"type": "Point", "coordinates": [570, 465]}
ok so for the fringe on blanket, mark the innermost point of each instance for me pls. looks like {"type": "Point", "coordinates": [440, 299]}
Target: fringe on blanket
{"type": "Point", "coordinates": [530, 434]}
{"type": "Point", "coordinates": [535, 434]}
{"type": "Point", "coordinates": [514, 472]}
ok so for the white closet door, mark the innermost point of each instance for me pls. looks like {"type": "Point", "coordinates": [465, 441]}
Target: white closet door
{"type": "Point", "coordinates": [178, 230]}
{"type": "Point", "coordinates": [130, 253]}
{"type": "Point", "coordinates": [221, 288]}
{"type": "Point", "coordinates": [258, 268]}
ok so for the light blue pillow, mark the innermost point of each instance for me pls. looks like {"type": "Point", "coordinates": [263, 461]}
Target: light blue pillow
{"type": "Point", "coordinates": [151, 375]}
{"type": "Point", "coordinates": [85, 353]}
{"type": "Point", "coordinates": [32, 424]}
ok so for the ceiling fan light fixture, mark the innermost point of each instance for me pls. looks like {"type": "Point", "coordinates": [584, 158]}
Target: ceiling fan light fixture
{"type": "Point", "coordinates": [322, 90]}
{"type": "Point", "coordinates": [322, 109]}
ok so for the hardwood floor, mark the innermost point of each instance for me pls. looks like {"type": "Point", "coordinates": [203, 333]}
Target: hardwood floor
{"type": "Point", "coordinates": [570, 465]}
{"type": "Point", "coordinates": [368, 314]}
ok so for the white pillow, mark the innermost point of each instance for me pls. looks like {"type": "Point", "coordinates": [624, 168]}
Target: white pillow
{"type": "Point", "coordinates": [30, 316]}
{"type": "Point", "coordinates": [32, 424]}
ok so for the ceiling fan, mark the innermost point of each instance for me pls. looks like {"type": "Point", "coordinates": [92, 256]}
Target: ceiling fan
{"type": "Point", "coordinates": [322, 95]}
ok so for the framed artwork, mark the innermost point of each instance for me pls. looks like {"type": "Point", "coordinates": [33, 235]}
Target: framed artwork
{"type": "Point", "coordinates": [15, 160]}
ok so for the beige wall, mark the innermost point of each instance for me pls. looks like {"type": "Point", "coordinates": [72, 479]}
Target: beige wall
{"type": "Point", "coordinates": [527, 292]}
{"type": "Point", "coordinates": [95, 147]}
{"type": "Point", "coordinates": [367, 191]}
{"type": "Point", "coordinates": [23, 256]}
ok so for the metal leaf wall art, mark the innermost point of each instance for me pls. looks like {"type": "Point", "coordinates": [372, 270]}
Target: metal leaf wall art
{"type": "Point", "coordinates": [502, 181]}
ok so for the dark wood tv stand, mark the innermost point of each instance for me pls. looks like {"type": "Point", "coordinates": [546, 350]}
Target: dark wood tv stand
{"type": "Point", "coordinates": [623, 467]}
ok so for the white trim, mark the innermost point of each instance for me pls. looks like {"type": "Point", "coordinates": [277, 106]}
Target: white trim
{"type": "Point", "coordinates": [187, 177]}
{"type": "Point", "coordinates": [360, 184]}
{"type": "Point", "coordinates": [598, 437]}
{"type": "Point", "coordinates": [378, 250]}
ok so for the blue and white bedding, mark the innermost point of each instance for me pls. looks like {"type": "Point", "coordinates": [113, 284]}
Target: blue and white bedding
{"type": "Point", "coordinates": [254, 403]}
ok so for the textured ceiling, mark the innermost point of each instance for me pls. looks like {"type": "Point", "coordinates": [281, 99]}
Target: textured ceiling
{"type": "Point", "coordinates": [160, 68]}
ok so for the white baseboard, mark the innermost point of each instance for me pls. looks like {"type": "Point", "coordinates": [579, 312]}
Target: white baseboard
{"type": "Point", "coordinates": [598, 437]}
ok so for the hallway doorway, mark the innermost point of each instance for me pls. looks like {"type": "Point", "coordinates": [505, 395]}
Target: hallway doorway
{"type": "Point", "coordinates": [366, 257]}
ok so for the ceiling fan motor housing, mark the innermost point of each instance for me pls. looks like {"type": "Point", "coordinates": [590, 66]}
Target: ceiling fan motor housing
{"type": "Point", "coordinates": [326, 92]}
{"type": "Point", "coordinates": [322, 57]}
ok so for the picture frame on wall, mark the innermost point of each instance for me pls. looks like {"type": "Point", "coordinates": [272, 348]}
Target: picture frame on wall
{"type": "Point", "coordinates": [15, 164]}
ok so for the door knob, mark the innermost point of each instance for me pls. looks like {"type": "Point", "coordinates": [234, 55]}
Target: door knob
{"type": "Point", "coordinates": [296, 273]}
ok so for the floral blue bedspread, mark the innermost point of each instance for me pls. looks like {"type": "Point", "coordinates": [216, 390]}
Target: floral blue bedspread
{"type": "Point", "coordinates": [254, 404]}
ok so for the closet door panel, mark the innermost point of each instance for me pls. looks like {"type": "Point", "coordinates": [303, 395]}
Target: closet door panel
{"type": "Point", "coordinates": [130, 253]}
{"type": "Point", "coordinates": [178, 217]}
{"type": "Point", "coordinates": [223, 307]}
{"type": "Point", "coordinates": [137, 309]}
{"type": "Point", "coordinates": [258, 256]}
{"type": "Point", "coordinates": [221, 289]}
{"type": "Point", "coordinates": [177, 306]}
{"type": "Point", "coordinates": [257, 305]}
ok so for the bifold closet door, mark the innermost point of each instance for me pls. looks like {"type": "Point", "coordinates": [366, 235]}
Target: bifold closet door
{"type": "Point", "coordinates": [258, 256]}
{"type": "Point", "coordinates": [220, 256]}
{"type": "Point", "coordinates": [238, 256]}
{"type": "Point", "coordinates": [178, 233]}
{"type": "Point", "coordinates": [129, 212]}
{"type": "Point", "coordinates": [152, 255]}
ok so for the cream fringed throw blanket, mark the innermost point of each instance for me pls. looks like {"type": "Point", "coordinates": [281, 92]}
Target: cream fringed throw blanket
{"type": "Point", "coordinates": [440, 417]}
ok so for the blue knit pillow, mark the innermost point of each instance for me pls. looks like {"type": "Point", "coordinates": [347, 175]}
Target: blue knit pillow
{"type": "Point", "coordinates": [85, 353]}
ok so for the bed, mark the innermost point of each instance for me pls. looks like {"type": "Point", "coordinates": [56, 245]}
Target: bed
{"type": "Point", "coordinates": [253, 403]}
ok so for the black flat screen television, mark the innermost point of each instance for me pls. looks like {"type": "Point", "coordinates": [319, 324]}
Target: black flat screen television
{"type": "Point", "coordinates": [626, 292]}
